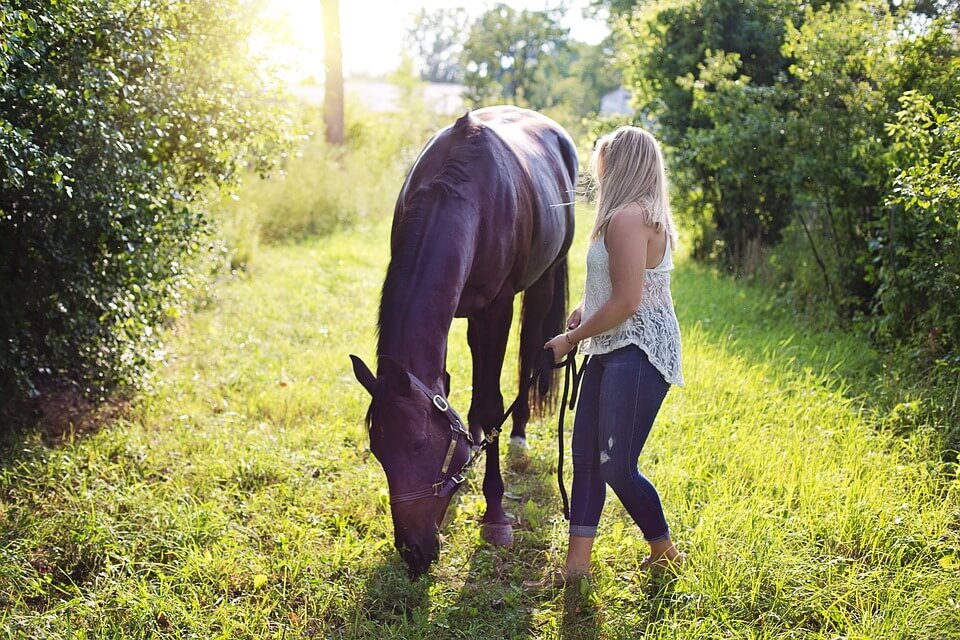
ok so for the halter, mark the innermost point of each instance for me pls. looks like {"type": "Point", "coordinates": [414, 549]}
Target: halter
{"type": "Point", "coordinates": [445, 484]}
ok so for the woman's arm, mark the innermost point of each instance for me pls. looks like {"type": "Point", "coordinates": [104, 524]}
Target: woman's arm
{"type": "Point", "coordinates": [575, 317]}
{"type": "Point", "coordinates": [626, 237]}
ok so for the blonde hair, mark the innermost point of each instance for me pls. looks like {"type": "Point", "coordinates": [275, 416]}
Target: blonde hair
{"type": "Point", "coordinates": [627, 167]}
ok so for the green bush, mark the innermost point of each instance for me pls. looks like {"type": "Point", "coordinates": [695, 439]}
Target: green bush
{"type": "Point", "coordinates": [116, 117]}
{"type": "Point", "coordinates": [915, 257]}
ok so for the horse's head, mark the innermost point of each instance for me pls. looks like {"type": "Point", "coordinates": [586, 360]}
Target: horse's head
{"type": "Point", "coordinates": [422, 447]}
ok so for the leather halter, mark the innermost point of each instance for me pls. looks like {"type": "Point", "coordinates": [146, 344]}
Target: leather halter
{"type": "Point", "coordinates": [446, 483]}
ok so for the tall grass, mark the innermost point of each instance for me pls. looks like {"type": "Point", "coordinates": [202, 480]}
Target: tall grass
{"type": "Point", "coordinates": [241, 501]}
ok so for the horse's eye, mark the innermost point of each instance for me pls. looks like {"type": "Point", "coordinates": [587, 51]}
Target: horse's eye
{"type": "Point", "coordinates": [418, 446]}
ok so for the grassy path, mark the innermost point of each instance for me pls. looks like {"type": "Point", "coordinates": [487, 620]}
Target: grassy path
{"type": "Point", "coordinates": [239, 501]}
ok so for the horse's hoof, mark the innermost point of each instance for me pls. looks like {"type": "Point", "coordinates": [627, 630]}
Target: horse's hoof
{"type": "Point", "coordinates": [519, 443]}
{"type": "Point", "coordinates": [518, 456]}
{"type": "Point", "coordinates": [499, 534]}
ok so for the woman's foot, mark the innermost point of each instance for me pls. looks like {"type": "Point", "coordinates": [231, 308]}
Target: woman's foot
{"type": "Point", "coordinates": [664, 562]}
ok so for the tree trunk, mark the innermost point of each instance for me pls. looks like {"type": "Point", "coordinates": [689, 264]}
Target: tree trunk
{"type": "Point", "coordinates": [333, 72]}
{"type": "Point", "coordinates": [820, 263]}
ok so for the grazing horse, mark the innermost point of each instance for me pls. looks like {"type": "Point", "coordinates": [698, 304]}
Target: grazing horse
{"type": "Point", "coordinates": [485, 213]}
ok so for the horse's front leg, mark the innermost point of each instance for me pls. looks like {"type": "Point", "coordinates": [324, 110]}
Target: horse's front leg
{"type": "Point", "coordinates": [487, 336]}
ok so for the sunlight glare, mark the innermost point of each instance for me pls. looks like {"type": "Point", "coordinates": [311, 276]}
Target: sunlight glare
{"type": "Point", "coordinates": [372, 32]}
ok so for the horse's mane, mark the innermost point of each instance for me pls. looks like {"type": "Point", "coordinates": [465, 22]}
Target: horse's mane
{"type": "Point", "coordinates": [463, 145]}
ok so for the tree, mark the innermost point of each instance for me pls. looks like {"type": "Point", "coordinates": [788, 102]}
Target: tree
{"type": "Point", "coordinates": [825, 160]}
{"type": "Point", "coordinates": [687, 65]}
{"type": "Point", "coordinates": [435, 41]}
{"type": "Point", "coordinates": [333, 72]}
{"type": "Point", "coordinates": [512, 55]}
{"type": "Point", "coordinates": [591, 73]}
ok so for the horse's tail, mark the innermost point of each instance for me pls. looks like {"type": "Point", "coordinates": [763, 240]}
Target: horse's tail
{"type": "Point", "coordinates": [536, 327]}
{"type": "Point", "coordinates": [553, 325]}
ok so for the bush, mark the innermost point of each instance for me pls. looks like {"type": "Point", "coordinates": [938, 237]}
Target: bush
{"type": "Point", "coordinates": [115, 119]}
{"type": "Point", "coordinates": [916, 250]}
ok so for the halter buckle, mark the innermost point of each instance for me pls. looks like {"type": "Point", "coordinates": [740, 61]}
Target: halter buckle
{"type": "Point", "coordinates": [441, 403]}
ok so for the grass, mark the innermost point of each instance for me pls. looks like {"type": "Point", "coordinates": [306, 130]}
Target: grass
{"type": "Point", "coordinates": [240, 500]}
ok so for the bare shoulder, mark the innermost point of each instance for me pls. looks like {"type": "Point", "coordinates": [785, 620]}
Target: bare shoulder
{"type": "Point", "coordinates": [631, 220]}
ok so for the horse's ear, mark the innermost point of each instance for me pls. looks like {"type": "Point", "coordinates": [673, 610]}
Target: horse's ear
{"type": "Point", "coordinates": [392, 374]}
{"type": "Point", "coordinates": [462, 121]}
{"type": "Point", "coordinates": [364, 375]}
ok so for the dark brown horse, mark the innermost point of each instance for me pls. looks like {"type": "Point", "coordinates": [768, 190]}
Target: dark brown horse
{"type": "Point", "coordinates": [485, 213]}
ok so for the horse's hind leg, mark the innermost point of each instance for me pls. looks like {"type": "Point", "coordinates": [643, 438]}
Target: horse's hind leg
{"type": "Point", "coordinates": [487, 335]}
{"type": "Point", "coordinates": [540, 304]}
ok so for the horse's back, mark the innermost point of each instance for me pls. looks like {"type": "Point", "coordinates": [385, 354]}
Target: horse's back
{"type": "Point", "coordinates": [534, 138]}
{"type": "Point", "coordinates": [549, 159]}
{"type": "Point", "coordinates": [517, 170]}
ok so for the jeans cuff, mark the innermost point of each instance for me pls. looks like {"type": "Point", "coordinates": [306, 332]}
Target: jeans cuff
{"type": "Point", "coordinates": [583, 531]}
{"type": "Point", "coordinates": [658, 538]}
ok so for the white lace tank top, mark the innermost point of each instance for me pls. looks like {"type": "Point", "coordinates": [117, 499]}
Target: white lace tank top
{"type": "Point", "coordinates": [653, 327]}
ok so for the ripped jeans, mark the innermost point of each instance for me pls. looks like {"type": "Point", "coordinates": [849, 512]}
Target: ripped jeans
{"type": "Point", "coordinates": [620, 396]}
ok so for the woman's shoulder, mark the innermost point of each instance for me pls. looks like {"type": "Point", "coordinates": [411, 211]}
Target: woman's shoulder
{"type": "Point", "coordinates": [631, 218]}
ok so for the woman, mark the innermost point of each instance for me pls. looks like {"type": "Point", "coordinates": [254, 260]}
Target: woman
{"type": "Point", "coordinates": [627, 325]}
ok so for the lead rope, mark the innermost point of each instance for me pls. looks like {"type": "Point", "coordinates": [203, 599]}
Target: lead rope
{"type": "Point", "coordinates": [571, 378]}
{"type": "Point", "coordinates": [571, 373]}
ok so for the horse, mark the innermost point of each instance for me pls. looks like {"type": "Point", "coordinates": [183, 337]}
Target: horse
{"type": "Point", "coordinates": [485, 212]}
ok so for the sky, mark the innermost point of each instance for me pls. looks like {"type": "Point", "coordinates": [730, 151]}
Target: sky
{"type": "Point", "coordinates": [372, 31]}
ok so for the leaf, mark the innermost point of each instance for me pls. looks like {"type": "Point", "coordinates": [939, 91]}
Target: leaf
{"type": "Point", "coordinates": [259, 580]}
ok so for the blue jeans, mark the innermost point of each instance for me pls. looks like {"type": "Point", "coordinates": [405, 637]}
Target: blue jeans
{"type": "Point", "coordinates": [620, 396]}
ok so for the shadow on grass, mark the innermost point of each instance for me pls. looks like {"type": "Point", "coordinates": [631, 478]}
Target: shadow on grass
{"type": "Point", "coordinates": [390, 599]}
{"type": "Point", "coordinates": [581, 614]}
{"type": "Point", "coordinates": [481, 597]}
{"type": "Point", "coordinates": [59, 414]}
{"type": "Point", "coordinates": [661, 596]}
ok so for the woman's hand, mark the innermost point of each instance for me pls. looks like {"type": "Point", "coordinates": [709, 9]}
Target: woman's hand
{"type": "Point", "coordinates": [561, 345]}
{"type": "Point", "coordinates": [575, 317]}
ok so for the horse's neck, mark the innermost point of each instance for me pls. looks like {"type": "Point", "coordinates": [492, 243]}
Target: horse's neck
{"type": "Point", "coordinates": [421, 294]}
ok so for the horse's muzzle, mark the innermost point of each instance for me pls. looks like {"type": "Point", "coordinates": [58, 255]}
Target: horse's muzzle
{"type": "Point", "coordinates": [417, 557]}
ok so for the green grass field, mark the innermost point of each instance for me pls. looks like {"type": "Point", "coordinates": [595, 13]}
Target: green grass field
{"type": "Point", "coordinates": [239, 500]}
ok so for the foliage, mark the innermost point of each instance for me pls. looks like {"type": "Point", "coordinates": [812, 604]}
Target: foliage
{"type": "Point", "coordinates": [510, 54]}
{"type": "Point", "coordinates": [848, 79]}
{"type": "Point", "coordinates": [584, 73]}
{"type": "Point", "coordinates": [115, 119]}
{"type": "Point", "coordinates": [435, 40]}
{"type": "Point", "coordinates": [516, 56]}
{"type": "Point", "coordinates": [916, 251]}
{"type": "Point", "coordinates": [665, 43]}
{"type": "Point", "coordinates": [241, 501]}
{"type": "Point", "coordinates": [738, 162]}
{"type": "Point", "coordinates": [689, 65]}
